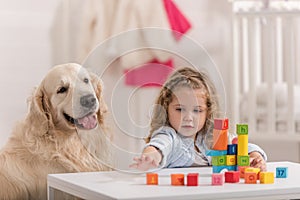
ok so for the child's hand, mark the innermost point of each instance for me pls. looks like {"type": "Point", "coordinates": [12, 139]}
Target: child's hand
{"type": "Point", "coordinates": [256, 160]}
{"type": "Point", "coordinates": [150, 158]}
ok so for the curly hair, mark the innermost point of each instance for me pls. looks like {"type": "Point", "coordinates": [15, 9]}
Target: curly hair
{"type": "Point", "coordinates": [184, 77]}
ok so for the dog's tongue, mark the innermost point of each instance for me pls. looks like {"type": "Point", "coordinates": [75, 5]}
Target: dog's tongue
{"type": "Point", "coordinates": [88, 122]}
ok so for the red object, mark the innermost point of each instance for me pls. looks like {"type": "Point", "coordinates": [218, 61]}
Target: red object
{"type": "Point", "coordinates": [152, 74]}
{"type": "Point", "coordinates": [179, 23]}
{"type": "Point", "coordinates": [234, 140]}
{"type": "Point", "coordinates": [232, 177]}
{"type": "Point", "coordinates": [192, 179]}
{"type": "Point", "coordinates": [221, 124]}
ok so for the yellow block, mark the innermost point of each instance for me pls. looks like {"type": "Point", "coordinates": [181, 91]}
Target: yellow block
{"type": "Point", "coordinates": [253, 169]}
{"type": "Point", "coordinates": [231, 160]}
{"type": "Point", "coordinates": [242, 145]}
{"type": "Point", "coordinates": [266, 177]}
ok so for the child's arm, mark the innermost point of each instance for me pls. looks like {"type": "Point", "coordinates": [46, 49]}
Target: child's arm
{"type": "Point", "coordinates": [150, 158]}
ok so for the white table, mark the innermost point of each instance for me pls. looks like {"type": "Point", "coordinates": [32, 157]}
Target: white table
{"type": "Point", "coordinates": [121, 185]}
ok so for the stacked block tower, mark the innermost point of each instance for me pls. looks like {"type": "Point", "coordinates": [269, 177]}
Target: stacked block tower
{"type": "Point", "coordinates": [228, 156]}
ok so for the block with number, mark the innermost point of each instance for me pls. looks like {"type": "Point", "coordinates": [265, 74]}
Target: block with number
{"type": "Point", "coordinates": [232, 149]}
{"type": "Point", "coordinates": [281, 172]}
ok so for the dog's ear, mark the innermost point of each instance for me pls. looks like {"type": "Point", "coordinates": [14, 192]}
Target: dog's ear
{"type": "Point", "coordinates": [39, 111]}
{"type": "Point", "coordinates": [98, 87]}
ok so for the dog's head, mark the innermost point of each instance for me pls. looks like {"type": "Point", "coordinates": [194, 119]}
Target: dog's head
{"type": "Point", "coordinates": [69, 97]}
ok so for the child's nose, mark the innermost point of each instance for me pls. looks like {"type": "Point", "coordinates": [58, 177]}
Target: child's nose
{"type": "Point", "coordinates": [188, 117]}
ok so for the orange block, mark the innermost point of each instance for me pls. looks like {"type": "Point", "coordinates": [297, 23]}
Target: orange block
{"type": "Point", "coordinates": [220, 139]}
{"type": "Point", "coordinates": [250, 177]}
{"type": "Point", "coordinates": [242, 170]}
{"type": "Point", "coordinates": [253, 169]}
{"type": "Point", "coordinates": [177, 179]}
{"type": "Point", "coordinates": [152, 179]}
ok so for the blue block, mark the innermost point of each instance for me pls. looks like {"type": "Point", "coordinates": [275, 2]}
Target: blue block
{"type": "Point", "coordinates": [232, 149]}
{"type": "Point", "coordinates": [231, 167]}
{"type": "Point", "coordinates": [281, 172]}
{"type": "Point", "coordinates": [216, 153]}
{"type": "Point", "coordinates": [218, 169]}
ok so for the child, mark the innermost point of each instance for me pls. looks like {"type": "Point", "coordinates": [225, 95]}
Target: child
{"type": "Point", "coordinates": [182, 123]}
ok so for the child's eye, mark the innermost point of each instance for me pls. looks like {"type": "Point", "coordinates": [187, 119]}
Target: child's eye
{"type": "Point", "coordinates": [198, 110]}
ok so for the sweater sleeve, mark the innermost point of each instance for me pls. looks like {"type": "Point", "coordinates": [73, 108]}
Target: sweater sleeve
{"type": "Point", "coordinates": [163, 139]}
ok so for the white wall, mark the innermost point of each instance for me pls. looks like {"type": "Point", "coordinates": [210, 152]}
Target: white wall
{"type": "Point", "coordinates": [25, 55]}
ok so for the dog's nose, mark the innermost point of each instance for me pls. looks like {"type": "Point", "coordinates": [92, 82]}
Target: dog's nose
{"type": "Point", "coordinates": [88, 101]}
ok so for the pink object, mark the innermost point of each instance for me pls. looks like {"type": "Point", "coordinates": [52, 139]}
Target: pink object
{"type": "Point", "coordinates": [179, 23]}
{"type": "Point", "coordinates": [152, 74]}
{"type": "Point", "coordinates": [217, 179]}
{"type": "Point", "coordinates": [234, 140]}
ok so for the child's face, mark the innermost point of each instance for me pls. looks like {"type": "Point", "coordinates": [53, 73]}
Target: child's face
{"type": "Point", "coordinates": [187, 111]}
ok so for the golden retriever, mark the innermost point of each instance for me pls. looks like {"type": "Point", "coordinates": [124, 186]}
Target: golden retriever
{"type": "Point", "coordinates": [62, 132]}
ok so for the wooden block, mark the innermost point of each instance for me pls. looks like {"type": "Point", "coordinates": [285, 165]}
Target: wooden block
{"type": "Point", "coordinates": [231, 160]}
{"type": "Point", "coordinates": [221, 124]}
{"type": "Point", "coordinates": [242, 129]}
{"type": "Point", "coordinates": [253, 169]}
{"type": "Point", "coordinates": [217, 179]}
{"type": "Point", "coordinates": [242, 147]}
{"type": "Point", "coordinates": [232, 177]}
{"type": "Point", "coordinates": [250, 177]}
{"type": "Point", "coordinates": [152, 178]}
{"type": "Point", "coordinates": [216, 153]}
{"type": "Point", "coordinates": [281, 172]}
{"type": "Point", "coordinates": [232, 149]}
{"type": "Point", "coordinates": [241, 169]}
{"type": "Point", "coordinates": [192, 179]}
{"type": "Point", "coordinates": [219, 160]}
{"type": "Point", "coordinates": [177, 179]}
{"type": "Point", "coordinates": [266, 177]}
{"type": "Point", "coordinates": [243, 160]}
{"type": "Point", "coordinates": [220, 139]}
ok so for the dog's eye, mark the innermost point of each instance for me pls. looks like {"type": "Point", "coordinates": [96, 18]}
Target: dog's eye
{"type": "Point", "coordinates": [62, 90]}
{"type": "Point", "coordinates": [86, 80]}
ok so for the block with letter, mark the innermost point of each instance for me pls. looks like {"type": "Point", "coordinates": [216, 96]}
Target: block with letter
{"type": "Point", "coordinates": [250, 177]}
{"type": "Point", "coordinates": [231, 160]}
{"type": "Point", "coordinates": [217, 179]}
{"type": "Point", "coordinates": [221, 124]}
{"type": "Point", "coordinates": [232, 149]}
{"type": "Point", "coordinates": [232, 177]}
{"type": "Point", "coordinates": [242, 129]}
{"type": "Point", "coordinates": [266, 177]}
{"type": "Point", "coordinates": [241, 169]}
{"type": "Point", "coordinates": [192, 179]}
{"type": "Point", "coordinates": [253, 169]}
{"type": "Point", "coordinates": [243, 160]}
{"type": "Point", "coordinates": [152, 178]}
{"type": "Point", "coordinates": [218, 160]}
{"type": "Point", "coordinates": [177, 179]}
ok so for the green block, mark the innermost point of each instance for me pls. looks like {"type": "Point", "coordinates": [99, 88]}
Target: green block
{"type": "Point", "coordinates": [218, 160]}
{"type": "Point", "coordinates": [242, 129]}
{"type": "Point", "coordinates": [243, 160]}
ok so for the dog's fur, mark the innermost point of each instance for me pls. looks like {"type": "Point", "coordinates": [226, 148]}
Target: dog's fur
{"type": "Point", "coordinates": [48, 141]}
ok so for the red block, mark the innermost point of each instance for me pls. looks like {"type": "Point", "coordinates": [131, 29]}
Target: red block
{"type": "Point", "coordinates": [221, 124]}
{"type": "Point", "coordinates": [192, 179]}
{"type": "Point", "coordinates": [232, 177]}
